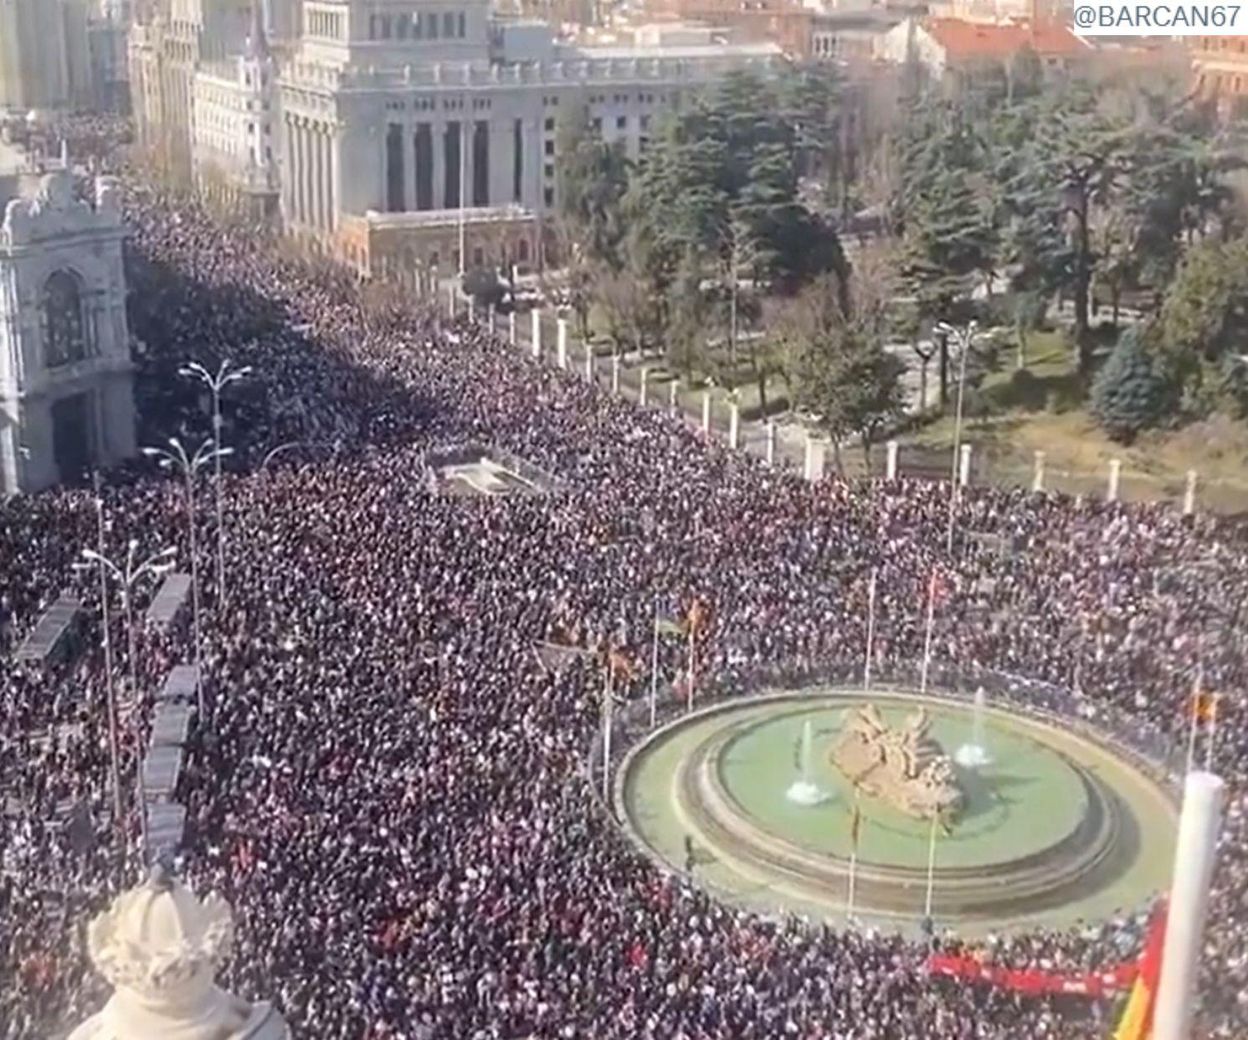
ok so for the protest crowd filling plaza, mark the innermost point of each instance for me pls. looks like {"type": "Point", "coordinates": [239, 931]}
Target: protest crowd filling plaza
{"type": "Point", "coordinates": [390, 787]}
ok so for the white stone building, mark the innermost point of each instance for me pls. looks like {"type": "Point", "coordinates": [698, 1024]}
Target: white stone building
{"type": "Point", "coordinates": [66, 396]}
{"type": "Point", "coordinates": [234, 125]}
{"type": "Point", "coordinates": [391, 108]}
{"type": "Point", "coordinates": [44, 55]}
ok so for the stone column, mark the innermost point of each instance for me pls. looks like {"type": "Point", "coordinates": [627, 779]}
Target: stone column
{"type": "Point", "coordinates": [1189, 494]}
{"type": "Point", "coordinates": [673, 397]}
{"type": "Point", "coordinates": [813, 468]}
{"type": "Point", "coordinates": [318, 175]}
{"type": "Point", "coordinates": [771, 443]}
{"type": "Point", "coordinates": [644, 394]}
{"type": "Point", "coordinates": [589, 361]}
{"type": "Point", "coordinates": [437, 144]}
{"type": "Point", "coordinates": [535, 317]}
{"type": "Point", "coordinates": [964, 466]}
{"type": "Point", "coordinates": [489, 317]}
{"type": "Point", "coordinates": [472, 309]}
{"type": "Point", "coordinates": [890, 464]}
{"type": "Point", "coordinates": [561, 343]}
{"type": "Point", "coordinates": [706, 411]}
{"type": "Point", "coordinates": [615, 373]}
{"type": "Point", "coordinates": [307, 172]}
{"type": "Point", "coordinates": [1037, 480]}
{"type": "Point", "coordinates": [502, 153]}
{"type": "Point", "coordinates": [511, 328]}
{"type": "Point", "coordinates": [450, 300]}
{"type": "Point", "coordinates": [1195, 855]}
{"type": "Point", "coordinates": [734, 425]}
{"type": "Point", "coordinates": [1115, 475]}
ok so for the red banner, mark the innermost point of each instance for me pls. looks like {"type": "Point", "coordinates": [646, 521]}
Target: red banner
{"type": "Point", "coordinates": [1033, 981]}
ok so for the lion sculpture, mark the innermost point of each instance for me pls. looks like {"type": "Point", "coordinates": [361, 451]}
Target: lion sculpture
{"type": "Point", "coordinates": [905, 766]}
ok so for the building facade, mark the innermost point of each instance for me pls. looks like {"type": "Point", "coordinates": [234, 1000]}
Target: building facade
{"type": "Point", "coordinates": [234, 124]}
{"type": "Point", "coordinates": [1220, 69]}
{"type": "Point", "coordinates": [44, 55]}
{"type": "Point", "coordinates": [397, 107]}
{"type": "Point", "coordinates": [66, 394]}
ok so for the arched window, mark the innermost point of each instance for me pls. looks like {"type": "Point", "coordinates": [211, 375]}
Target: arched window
{"type": "Point", "coordinates": [64, 324]}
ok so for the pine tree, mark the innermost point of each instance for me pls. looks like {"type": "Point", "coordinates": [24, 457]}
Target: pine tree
{"type": "Point", "coordinates": [1129, 394]}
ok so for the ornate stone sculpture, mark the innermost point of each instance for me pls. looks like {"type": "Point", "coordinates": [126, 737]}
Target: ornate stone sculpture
{"type": "Point", "coordinates": [160, 947]}
{"type": "Point", "coordinates": [906, 766]}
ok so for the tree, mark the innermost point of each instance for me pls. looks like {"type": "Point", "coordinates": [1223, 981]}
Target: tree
{"type": "Point", "coordinates": [483, 285]}
{"type": "Point", "coordinates": [592, 178]}
{"type": "Point", "coordinates": [1204, 324]}
{"type": "Point", "coordinates": [1129, 394]}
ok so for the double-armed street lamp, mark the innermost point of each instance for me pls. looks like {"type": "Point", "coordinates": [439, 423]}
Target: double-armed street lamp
{"type": "Point", "coordinates": [175, 457]}
{"type": "Point", "coordinates": [966, 336]}
{"type": "Point", "coordinates": [225, 375]}
{"type": "Point", "coordinates": [128, 573]}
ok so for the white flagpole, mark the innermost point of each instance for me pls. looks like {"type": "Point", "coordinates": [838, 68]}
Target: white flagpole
{"type": "Point", "coordinates": [866, 669]}
{"type": "Point", "coordinates": [927, 638]}
{"type": "Point", "coordinates": [606, 735]}
{"type": "Point", "coordinates": [1213, 732]}
{"type": "Point", "coordinates": [689, 676]}
{"type": "Point", "coordinates": [654, 667]}
{"type": "Point", "coordinates": [1193, 707]}
{"type": "Point", "coordinates": [463, 187]}
{"type": "Point", "coordinates": [931, 868]}
{"type": "Point", "coordinates": [855, 833]}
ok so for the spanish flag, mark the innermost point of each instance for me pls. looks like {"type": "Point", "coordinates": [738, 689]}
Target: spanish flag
{"type": "Point", "coordinates": [698, 616]}
{"type": "Point", "coordinates": [1204, 706]}
{"type": "Point", "coordinates": [1137, 1017]}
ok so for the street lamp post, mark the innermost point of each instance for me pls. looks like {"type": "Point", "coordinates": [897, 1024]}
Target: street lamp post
{"type": "Point", "coordinates": [175, 457]}
{"type": "Point", "coordinates": [966, 337]}
{"type": "Point", "coordinates": [111, 692]}
{"type": "Point", "coordinates": [224, 377]}
{"type": "Point", "coordinates": [127, 577]}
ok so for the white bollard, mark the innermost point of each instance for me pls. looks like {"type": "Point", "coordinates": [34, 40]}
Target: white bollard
{"type": "Point", "coordinates": [450, 300]}
{"type": "Point", "coordinates": [589, 361]}
{"type": "Point", "coordinates": [890, 460]}
{"type": "Point", "coordinates": [615, 373]}
{"type": "Point", "coordinates": [964, 466]}
{"type": "Point", "coordinates": [490, 318]}
{"type": "Point", "coordinates": [813, 468]}
{"type": "Point", "coordinates": [511, 328]}
{"type": "Point", "coordinates": [771, 443]}
{"type": "Point", "coordinates": [644, 394]}
{"type": "Point", "coordinates": [734, 425]}
{"type": "Point", "coordinates": [536, 334]}
{"type": "Point", "coordinates": [1115, 474]}
{"type": "Point", "coordinates": [561, 343]}
{"type": "Point", "coordinates": [1037, 480]}
{"type": "Point", "coordinates": [673, 397]}
{"type": "Point", "coordinates": [706, 411]}
{"type": "Point", "coordinates": [1194, 856]}
{"type": "Point", "coordinates": [472, 310]}
{"type": "Point", "coordinates": [1189, 494]}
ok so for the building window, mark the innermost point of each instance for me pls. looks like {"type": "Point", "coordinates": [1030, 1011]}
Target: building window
{"type": "Point", "coordinates": [385, 27]}
{"type": "Point", "coordinates": [596, 123]}
{"type": "Point", "coordinates": [548, 194]}
{"type": "Point", "coordinates": [621, 122]}
{"type": "Point", "coordinates": [400, 27]}
{"type": "Point", "coordinates": [372, 27]}
{"type": "Point", "coordinates": [550, 126]}
{"type": "Point", "coordinates": [418, 26]}
{"type": "Point", "coordinates": [64, 330]}
{"type": "Point", "coordinates": [448, 24]}
{"type": "Point", "coordinates": [550, 147]}
{"type": "Point", "coordinates": [433, 26]}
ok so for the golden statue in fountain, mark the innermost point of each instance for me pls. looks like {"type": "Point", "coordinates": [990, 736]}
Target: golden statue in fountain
{"type": "Point", "coordinates": [904, 766]}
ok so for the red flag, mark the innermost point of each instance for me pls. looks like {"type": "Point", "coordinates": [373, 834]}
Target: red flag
{"type": "Point", "coordinates": [1137, 1018]}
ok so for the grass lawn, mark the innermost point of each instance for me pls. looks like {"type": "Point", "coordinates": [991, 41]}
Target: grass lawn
{"type": "Point", "coordinates": [1041, 409]}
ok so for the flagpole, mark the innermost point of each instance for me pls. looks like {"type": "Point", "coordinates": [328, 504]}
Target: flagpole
{"type": "Point", "coordinates": [606, 735]}
{"type": "Point", "coordinates": [654, 667]}
{"type": "Point", "coordinates": [866, 670]}
{"type": "Point", "coordinates": [1213, 733]}
{"type": "Point", "coordinates": [1194, 709]}
{"type": "Point", "coordinates": [689, 676]}
{"type": "Point", "coordinates": [931, 868]}
{"type": "Point", "coordinates": [853, 860]}
{"type": "Point", "coordinates": [927, 638]}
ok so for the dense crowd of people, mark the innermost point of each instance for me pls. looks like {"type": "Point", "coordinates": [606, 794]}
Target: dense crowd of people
{"type": "Point", "coordinates": [389, 785]}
